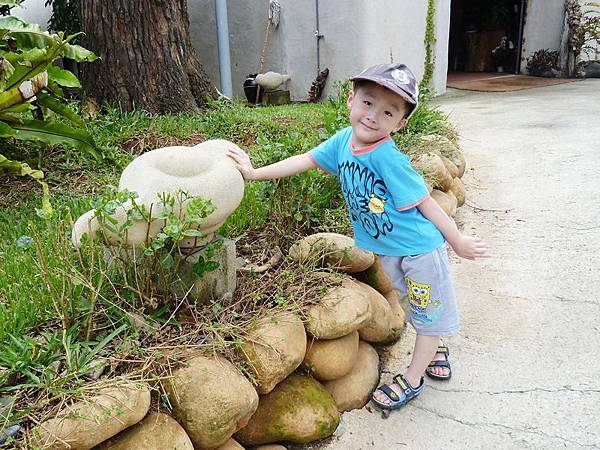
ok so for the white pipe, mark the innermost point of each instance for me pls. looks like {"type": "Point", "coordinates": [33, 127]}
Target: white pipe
{"type": "Point", "coordinates": [223, 41]}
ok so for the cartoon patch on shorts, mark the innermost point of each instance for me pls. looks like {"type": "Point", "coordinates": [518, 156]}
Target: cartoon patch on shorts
{"type": "Point", "coordinates": [419, 298]}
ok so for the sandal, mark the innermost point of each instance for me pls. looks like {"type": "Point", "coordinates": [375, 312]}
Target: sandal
{"type": "Point", "coordinates": [443, 350]}
{"type": "Point", "coordinates": [398, 401]}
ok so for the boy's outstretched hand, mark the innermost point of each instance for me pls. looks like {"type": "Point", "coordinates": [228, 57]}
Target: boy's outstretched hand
{"type": "Point", "coordinates": [242, 163]}
{"type": "Point", "coordinates": [469, 247]}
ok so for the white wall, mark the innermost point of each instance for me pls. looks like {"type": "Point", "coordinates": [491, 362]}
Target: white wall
{"type": "Point", "coordinates": [543, 27]}
{"type": "Point", "coordinates": [33, 11]}
{"type": "Point", "coordinates": [357, 33]}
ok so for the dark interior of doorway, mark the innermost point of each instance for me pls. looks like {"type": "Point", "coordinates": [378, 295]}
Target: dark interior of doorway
{"type": "Point", "coordinates": [485, 35]}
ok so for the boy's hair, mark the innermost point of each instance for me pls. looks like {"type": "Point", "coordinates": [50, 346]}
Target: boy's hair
{"type": "Point", "coordinates": [357, 84]}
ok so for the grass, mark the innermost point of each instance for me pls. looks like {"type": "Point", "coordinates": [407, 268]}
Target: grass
{"type": "Point", "coordinates": [42, 357]}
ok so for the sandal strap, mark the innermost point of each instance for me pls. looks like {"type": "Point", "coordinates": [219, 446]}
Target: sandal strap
{"type": "Point", "coordinates": [444, 363]}
{"type": "Point", "coordinates": [389, 392]}
{"type": "Point", "coordinates": [442, 349]}
{"type": "Point", "coordinates": [409, 391]}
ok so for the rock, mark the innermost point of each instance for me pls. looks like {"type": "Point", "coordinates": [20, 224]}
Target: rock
{"type": "Point", "coordinates": [342, 310]}
{"type": "Point", "coordinates": [376, 277]}
{"type": "Point", "coordinates": [89, 422]}
{"type": "Point", "coordinates": [448, 148]}
{"type": "Point", "coordinates": [378, 328]}
{"type": "Point", "coordinates": [336, 250]}
{"type": "Point", "coordinates": [446, 202]}
{"type": "Point", "coordinates": [231, 444]}
{"type": "Point", "coordinates": [397, 318]}
{"type": "Point", "coordinates": [270, 447]}
{"type": "Point", "coordinates": [298, 410]}
{"type": "Point", "coordinates": [432, 167]}
{"type": "Point", "coordinates": [451, 167]}
{"type": "Point", "coordinates": [328, 359]}
{"type": "Point", "coordinates": [157, 431]}
{"type": "Point", "coordinates": [458, 189]}
{"type": "Point", "coordinates": [275, 348]}
{"type": "Point", "coordinates": [203, 171]}
{"type": "Point", "coordinates": [354, 390]}
{"type": "Point", "coordinates": [211, 400]}
{"type": "Point", "coordinates": [591, 69]}
{"type": "Point", "coordinates": [212, 285]}
{"type": "Point", "coordinates": [453, 203]}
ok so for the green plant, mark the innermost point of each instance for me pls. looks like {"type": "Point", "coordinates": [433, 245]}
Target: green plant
{"type": "Point", "coordinates": [429, 42]}
{"type": "Point", "coordinates": [542, 61]}
{"type": "Point", "coordinates": [30, 86]}
{"type": "Point", "coordinates": [65, 16]}
{"type": "Point", "coordinates": [584, 29]}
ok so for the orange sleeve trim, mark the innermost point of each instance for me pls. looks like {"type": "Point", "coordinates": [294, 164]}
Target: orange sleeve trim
{"type": "Point", "coordinates": [417, 203]}
{"type": "Point", "coordinates": [317, 164]}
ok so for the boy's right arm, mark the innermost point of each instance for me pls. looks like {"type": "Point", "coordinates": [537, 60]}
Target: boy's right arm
{"type": "Point", "coordinates": [285, 168]}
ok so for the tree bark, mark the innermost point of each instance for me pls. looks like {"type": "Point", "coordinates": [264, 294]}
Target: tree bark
{"type": "Point", "coordinates": [147, 59]}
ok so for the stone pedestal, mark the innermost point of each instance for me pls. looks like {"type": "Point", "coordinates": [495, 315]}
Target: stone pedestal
{"type": "Point", "coordinates": [213, 284]}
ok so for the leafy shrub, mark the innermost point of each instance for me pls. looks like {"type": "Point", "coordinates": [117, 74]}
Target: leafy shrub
{"type": "Point", "coordinates": [542, 61]}
{"type": "Point", "coordinates": [30, 86]}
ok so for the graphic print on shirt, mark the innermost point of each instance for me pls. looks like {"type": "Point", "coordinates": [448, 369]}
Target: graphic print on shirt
{"type": "Point", "coordinates": [419, 298]}
{"type": "Point", "coordinates": [366, 196]}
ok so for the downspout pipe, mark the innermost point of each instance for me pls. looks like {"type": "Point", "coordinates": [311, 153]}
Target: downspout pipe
{"type": "Point", "coordinates": [223, 42]}
{"type": "Point", "coordinates": [319, 36]}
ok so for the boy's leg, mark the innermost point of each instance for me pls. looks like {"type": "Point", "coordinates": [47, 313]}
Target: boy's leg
{"type": "Point", "coordinates": [423, 353]}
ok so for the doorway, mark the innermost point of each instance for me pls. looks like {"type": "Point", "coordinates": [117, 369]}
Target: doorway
{"type": "Point", "coordinates": [485, 37]}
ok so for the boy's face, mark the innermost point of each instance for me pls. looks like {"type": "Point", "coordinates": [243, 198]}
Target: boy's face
{"type": "Point", "coordinates": [375, 112]}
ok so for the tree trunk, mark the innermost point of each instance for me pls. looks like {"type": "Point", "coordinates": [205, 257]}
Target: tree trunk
{"type": "Point", "coordinates": [147, 59]}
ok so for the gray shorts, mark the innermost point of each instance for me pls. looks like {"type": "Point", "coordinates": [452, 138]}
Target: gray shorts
{"type": "Point", "coordinates": [424, 280]}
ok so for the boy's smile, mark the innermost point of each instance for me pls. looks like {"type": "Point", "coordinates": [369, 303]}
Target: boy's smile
{"type": "Point", "coordinates": [375, 112]}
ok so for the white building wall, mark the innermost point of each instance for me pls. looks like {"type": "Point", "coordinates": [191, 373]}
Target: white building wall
{"type": "Point", "coordinates": [543, 27]}
{"type": "Point", "coordinates": [33, 11]}
{"type": "Point", "coordinates": [357, 33]}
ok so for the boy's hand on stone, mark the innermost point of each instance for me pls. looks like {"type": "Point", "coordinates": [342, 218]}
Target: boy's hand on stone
{"type": "Point", "coordinates": [242, 163]}
{"type": "Point", "coordinates": [469, 247]}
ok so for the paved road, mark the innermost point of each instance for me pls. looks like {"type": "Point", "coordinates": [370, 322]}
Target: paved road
{"type": "Point", "coordinates": [527, 362]}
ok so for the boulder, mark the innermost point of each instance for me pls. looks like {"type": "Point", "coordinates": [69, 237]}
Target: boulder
{"type": "Point", "coordinates": [275, 347]}
{"type": "Point", "coordinates": [432, 167]}
{"type": "Point", "coordinates": [397, 318]}
{"type": "Point", "coordinates": [336, 250]}
{"type": "Point", "coordinates": [210, 399]}
{"type": "Point", "coordinates": [342, 310]}
{"type": "Point", "coordinates": [87, 423]}
{"type": "Point", "coordinates": [328, 359]}
{"type": "Point", "coordinates": [451, 167]}
{"type": "Point", "coordinates": [447, 202]}
{"type": "Point", "coordinates": [591, 69]}
{"type": "Point", "coordinates": [376, 277]}
{"type": "Point", "coordinates": [449, 149]}
{"type": "Point", "coordinates": [378, 328]}
{"type": "Point", "coordinates": [231, 444]}
{"type": "Point", "coordinates": [298, 410]}
{"type": "Point", "coordinates": [270, 447]}
{"type": "Point", "coordinates": [354, 390]}
{"type": "Point", "coordinates": [157, 431]}
{"type": "Point", "coordinates": [458, 189]}
{"type": "Point", "coordinates": [203, 171]}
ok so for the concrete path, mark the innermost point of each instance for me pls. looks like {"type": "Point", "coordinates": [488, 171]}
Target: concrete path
{"type": "Point", "coordinates": [527, 362]}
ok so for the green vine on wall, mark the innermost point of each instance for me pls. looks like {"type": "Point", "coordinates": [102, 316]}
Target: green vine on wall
{"type": "Point", "coordinates": [429, 42]}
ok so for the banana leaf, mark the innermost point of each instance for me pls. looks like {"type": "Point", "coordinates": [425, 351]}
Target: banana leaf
{"type": "Point", "coordinates": [63, 77]}
{"type": "Point", "coordinates": [59, 108]}
{"type": "Point", "coordinates": [8, 166]}
{"type": "Point", "coordinates": [54, 133]}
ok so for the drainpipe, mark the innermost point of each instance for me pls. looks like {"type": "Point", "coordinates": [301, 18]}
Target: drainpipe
{"type": "Point", "coordinates": [223, 41]}
{"type": "Point", "coordinates": [319, 36]}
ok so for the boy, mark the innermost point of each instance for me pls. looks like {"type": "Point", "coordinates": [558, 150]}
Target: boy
{"type": "Point", "coordinates": [392, 215]}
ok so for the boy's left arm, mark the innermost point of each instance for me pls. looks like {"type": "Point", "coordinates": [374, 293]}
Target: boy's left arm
{"type": "Point", "coordinates": [469, 247]}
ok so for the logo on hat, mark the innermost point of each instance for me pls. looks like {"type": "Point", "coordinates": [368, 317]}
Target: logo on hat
{"type": "Point", "coordinates": [400, 76]}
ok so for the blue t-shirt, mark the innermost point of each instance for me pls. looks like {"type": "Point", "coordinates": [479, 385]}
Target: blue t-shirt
{"type": "Point", "coordinates": [382, 191]}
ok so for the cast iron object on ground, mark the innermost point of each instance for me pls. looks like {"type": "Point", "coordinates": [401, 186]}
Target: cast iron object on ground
{"type": "Point", "coordinates": [277, 97]}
